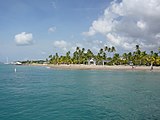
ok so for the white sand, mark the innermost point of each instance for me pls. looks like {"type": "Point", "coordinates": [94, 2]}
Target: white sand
{"type": "Point", "coordinates": [99, 67]}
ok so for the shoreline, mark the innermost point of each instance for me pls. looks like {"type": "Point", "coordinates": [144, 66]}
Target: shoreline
{"type": "Point", "coordinates": [98, 67]}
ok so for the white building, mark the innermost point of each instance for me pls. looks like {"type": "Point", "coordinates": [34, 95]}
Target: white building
{"type": "Point", "coordinates": [92, 62]}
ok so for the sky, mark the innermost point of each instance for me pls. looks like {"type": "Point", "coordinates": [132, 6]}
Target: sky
{"type": "Point", "coordinates": [34, 29]}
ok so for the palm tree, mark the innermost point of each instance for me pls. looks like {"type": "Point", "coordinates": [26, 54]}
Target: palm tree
{"type": "Point", "coordinates": [151, 52]}
{"type": "Point", "coordinates": [83, 56]}
{"type": "Point", "coordinates": [116, 59]}
{"type": "Point", "coordinates": [77, 49]}
{"type": "Point", "coordinates": [89, 54]}
{"type": "Point", "coordinates": [137, 47]}
{"type": "Point", "coordinates": [155, 55]}
{"type": "Point", "coordinates": [104, 56]}
{"type": "Point", "coordinates": [75, 57]}
{"type": "Point", "coordinates": [83, 49]}
{"type": "Point", "coordinates": [137, 55]}
{"type": "Point", "coordinates": [158, 61]}
{"type": "Point", "coordinates": [106, 48]}
{"type": "Point", "coordinates": [109, 50]}
{"type": "Point", "coordinates": [125, 58]}
{"type": "Point", "coordinates": [79, 56]}
{"type": "Point", "coordinates": [98, 58]}
{"type": "Point", "coordinates": [130, 56]}
{"type": "Point", "coordinates": [113, 50]}
{"type": "Point", "coordinates": [56, 58]}
{"type": "Point", "coordinates": [151, 58]}
{"type": "Point", "coordinates": [143, 56]}
{"type": "Point", "coordinates": [68, 58]}
{"type": "Point", "coordinates": [101, 51]}
{"type": "Point", "coordinates": [50, 56]}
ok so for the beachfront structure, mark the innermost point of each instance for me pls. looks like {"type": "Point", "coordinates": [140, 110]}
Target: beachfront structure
{"type": "Point", "coordinates": [105, 61]}
{"type": "Point", "coordinates": [18, 63]}
{"type": "Point", "coordinates": [130, 63]}
{"type": "Point", "coordinates": [92, 61]}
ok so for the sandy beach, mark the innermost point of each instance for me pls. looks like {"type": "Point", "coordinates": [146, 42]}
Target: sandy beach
{"type": "Point", "coordinates": [98, 67]}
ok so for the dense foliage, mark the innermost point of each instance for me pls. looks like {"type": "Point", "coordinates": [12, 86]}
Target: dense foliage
{"type": "Point", "coordinates": [80, 56]}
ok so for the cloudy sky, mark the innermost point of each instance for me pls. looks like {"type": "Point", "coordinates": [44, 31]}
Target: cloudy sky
{"type": "Point", "coordinates": [33, 29]}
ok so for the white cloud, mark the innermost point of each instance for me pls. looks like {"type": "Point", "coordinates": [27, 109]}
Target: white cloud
{"type": "Point", "coordinates": [90, 32]}
{"type": "Point", "coordinates": [94, 45]}
{"type": "Point", "coordinates": [128, 23]}
{"type": "Point", "coordinates": [157, 36]}
{"type": "Point", "coordinates": [114, 39]}
{"type": "Point", "coordinates": [52, 29]}
{"type": "Point", "coordinates": [24, 38]}
{"type": "Point", "coordinates": [64, 46]}
{"type": "Point", "coordinates": [61, 44]}
{"type": "Point", "coordinates": [99, 26]}
{"type": "Point", "coordinates": [141, 24]}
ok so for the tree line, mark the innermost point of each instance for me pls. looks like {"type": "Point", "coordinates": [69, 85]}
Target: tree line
{"type": "Point", "coordinates": [109, 55]}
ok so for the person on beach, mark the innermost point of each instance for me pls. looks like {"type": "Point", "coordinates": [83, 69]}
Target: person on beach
{"type": "Point", "coordinates": [151, 67]}
{"type": "Point", "coordinates": [131, 64]}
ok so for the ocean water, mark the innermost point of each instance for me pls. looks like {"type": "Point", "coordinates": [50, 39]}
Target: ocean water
{"type": "Point", "coordinates": [38, 93]}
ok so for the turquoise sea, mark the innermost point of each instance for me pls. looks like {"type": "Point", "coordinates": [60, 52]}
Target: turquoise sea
{"type": "Point", "coordinates": [38, 93]}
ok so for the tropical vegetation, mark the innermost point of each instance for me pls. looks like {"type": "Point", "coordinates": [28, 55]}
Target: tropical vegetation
{"type": "Point", "coordinates": [109, 55]}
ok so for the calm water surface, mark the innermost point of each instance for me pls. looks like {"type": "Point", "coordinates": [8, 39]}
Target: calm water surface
{"type": "Point", "coordinates": [38, 93]}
